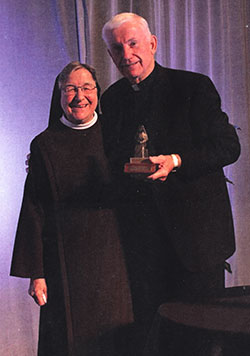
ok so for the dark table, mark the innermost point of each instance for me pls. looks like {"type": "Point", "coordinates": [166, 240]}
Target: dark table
{"type": "Point", "coordinates": [215, 327]}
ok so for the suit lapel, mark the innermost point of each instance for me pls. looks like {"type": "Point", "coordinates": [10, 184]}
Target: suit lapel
{"type": "Point", "coordinates": [162, 107]}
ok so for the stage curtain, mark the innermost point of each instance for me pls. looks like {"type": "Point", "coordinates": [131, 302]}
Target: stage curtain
{"type": "Point", "coordinates": [38, 38]}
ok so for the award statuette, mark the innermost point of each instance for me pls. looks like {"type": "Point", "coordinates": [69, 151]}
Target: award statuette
{"type": "Point", "coordinates": [140, 163]}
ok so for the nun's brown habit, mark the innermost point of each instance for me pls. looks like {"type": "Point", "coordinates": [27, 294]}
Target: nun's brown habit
{"type": "Point", "coordinates": [67, 234]}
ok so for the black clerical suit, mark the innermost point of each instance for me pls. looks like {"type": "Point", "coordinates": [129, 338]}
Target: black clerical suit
{"type": "Point", "coordinates": [177, 234]}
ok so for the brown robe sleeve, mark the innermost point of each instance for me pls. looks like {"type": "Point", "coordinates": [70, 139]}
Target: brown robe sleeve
{"type": "Point", "coordinates": [27, 259]}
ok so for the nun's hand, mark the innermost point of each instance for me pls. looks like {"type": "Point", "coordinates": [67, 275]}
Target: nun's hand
{"type": "Point", "coordinates": [38, 290]}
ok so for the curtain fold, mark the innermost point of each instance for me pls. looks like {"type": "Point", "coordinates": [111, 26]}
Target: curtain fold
{"type": "Point", "coordinates": [83, 36]}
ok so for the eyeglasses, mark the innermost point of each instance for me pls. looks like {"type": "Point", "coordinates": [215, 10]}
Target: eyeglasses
{"type": "Point", "coordinates": [73, 89]}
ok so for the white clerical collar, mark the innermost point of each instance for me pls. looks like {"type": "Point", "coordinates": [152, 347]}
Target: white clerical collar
{"type": "Point", "coordinates": [85, 126]}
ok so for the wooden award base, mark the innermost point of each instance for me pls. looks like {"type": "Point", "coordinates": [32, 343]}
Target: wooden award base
{"type": "Point", "coordinates": [139, 165]}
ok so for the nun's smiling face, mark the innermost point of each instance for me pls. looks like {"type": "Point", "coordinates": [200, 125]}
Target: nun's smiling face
{"type": "Point", "coordinates": [79, 96]}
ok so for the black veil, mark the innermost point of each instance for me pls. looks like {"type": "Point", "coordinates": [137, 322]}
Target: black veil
{"type": "Point", "coordinates": [56, 110]}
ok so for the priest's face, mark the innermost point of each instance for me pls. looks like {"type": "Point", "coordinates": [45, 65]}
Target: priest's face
{"type": "Point", "coordinates": [132, 50]}
{"type": "Point", "coordinates": [79, 97]}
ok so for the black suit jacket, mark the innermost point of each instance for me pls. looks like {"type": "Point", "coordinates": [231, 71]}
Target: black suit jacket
{"type": "Point", "coordinates": [185, 117]}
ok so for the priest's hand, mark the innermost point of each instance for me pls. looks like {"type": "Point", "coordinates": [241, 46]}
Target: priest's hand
{"type": "Point", "coordinates": [38, 290]}
{"type": "Point", "coordinates": [166, 164]}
